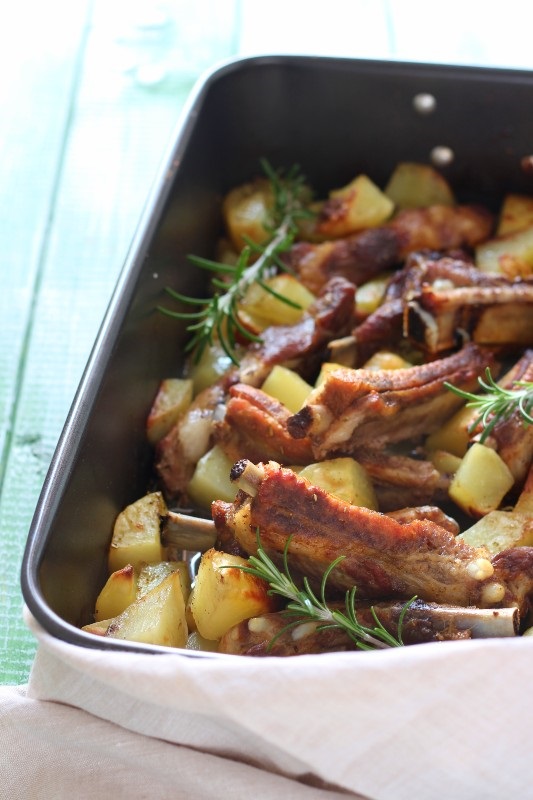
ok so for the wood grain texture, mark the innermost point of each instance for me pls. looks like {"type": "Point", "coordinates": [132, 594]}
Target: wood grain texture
{"type": "Point", "coordinates": [43, 66]}
{"type": "Point", "coordinates": [94, 102]}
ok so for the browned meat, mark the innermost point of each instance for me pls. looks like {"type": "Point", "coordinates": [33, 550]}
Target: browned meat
{"type": "Point", "coordinates": [435, 302]}
{"type": "Point", "coordinates": [400, 480]}
{"type": "Point", "coordinates": [222, 514]}
{"type": "Point", "coordinates": [433, 513]}
{"type": "Point", "coordinates": [353, 409]}
{"type": "Point", "coordinates": [513, 570]}
{"type": "Point", "coordinates": [445, 298]}
{"type": "Point", "coordinates": [422, 622]}
{"type": "Point", "coordinates": [255, 427]}
{"type": "Point", "coordinates": [358, 258]}
{"type": "Point", "coordinates": [383, 558]}
{"type": "Point", "coordinates": [424, 268]}
{"type": "Point", "coordinates": [255, 637]}
{"type": "Point", "coordinates": [363, 255]}
{"type": "Point", "coordinates": [489, 315]}
{"type": "Point", "coordinates": [441, 228]}
{"type": "Point", "coordinates": [382, 330]}
{"type": "Point", "coordinates": [297, 346]}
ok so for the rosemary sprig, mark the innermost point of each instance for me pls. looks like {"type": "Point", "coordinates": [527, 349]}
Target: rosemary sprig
{"type": "Point", "coordinates": [218, 316]}
{"type": "Point", "coordinates": [497, 403]}
{"type": "Point", "coordinates": [304, 604]}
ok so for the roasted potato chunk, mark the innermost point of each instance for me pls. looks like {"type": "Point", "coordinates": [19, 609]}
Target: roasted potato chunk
{"type": "Point", "coordinates": [224, 595]}
{"type": "Point", "coordinates": [481, 481]}
{"type": "Point", "coordinates": [158, 617]}
{"type": "Point", "coordinates": [413, 185]}
{"type": "Point", "coordinates": [288, 387]}
{"type": "Point", "coordinates": [510, 255]}
{"type": "Point", "coordinates": [246, 211]}
{"type": "Point", "coordinates": [344, 478]}
{"type": "Point", "coordinates": [118, 593]}
{"type": "Point", "coordinates": [360, 204]}
{"type": "Point", "coordinates": [259, 309]}
{"type": "Point", "coordinates": [516, 214]}
{"type": "Point", "coordinates": [173, 398]}
{"type": "Point", "coordinates": [136, 534]}
{"type": "Point", "coordinates": [500, 530]}
{"type": "Point", "coordinates": [211, 479]}
{"type": "Point", "coordinates": [152, 574]}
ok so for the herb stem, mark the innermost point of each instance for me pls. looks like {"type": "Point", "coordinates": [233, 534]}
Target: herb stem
{"type": "Point", "coordinates": [218, 316]}
{"type": "Point", "coordinates": [496, 403]}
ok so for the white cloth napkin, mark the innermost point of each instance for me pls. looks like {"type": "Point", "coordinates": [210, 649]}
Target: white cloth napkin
{"type": "Point", "coordinates": [50, 751]}
{"type": "Point", "coordinates": [427, 722]}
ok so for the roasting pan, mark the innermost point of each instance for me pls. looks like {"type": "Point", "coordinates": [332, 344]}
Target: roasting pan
{"type": "Point", "coordinates": [333, 117]}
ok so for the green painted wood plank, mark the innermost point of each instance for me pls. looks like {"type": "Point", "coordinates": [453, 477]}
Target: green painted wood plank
{"type": "Point", "coordinates": [38, 64]}
{"type": "Point", "coordinates": [42, 62]}
{"type": "Point", "coordinates": [122, 122]}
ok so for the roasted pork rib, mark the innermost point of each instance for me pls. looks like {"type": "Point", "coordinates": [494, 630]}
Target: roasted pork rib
{"type": "Point", "coordinates": [422, 622]}
{"type": "Point", "coordinates": [402, 480]}
{"type": "Point", "coordinates": [357, 258]}
{"type": "Point", "coordinates": [441, 228]}
{"type": "Point", "coordinates": [363, 255]}
{"type": "Point", "coordinates": [436, 302]}
{"type": "Point", "coordinates": [382, 557]}
{"type": "Point", "coordinates": [255, 427]}
{"type": "Point", "coordinates": [444, 298]}
{"type": "Point", "coordinates": [353, 409]}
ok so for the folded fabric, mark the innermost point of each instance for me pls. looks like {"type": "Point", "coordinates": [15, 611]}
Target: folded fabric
{"type": "Point", "coordinates": [428, 721]}
{"type": "Point", "coordinates": [52, 751]}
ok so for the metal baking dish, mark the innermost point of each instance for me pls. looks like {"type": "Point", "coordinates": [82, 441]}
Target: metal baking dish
{"type": "Point", "coordinates": [335, 118]}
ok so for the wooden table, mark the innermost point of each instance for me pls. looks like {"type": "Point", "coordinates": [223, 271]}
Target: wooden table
{"type": "Point", "coordinates": [90, 92]}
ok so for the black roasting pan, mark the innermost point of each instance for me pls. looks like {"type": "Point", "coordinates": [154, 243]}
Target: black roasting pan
{"type": "Point", "coordinates": [333, 117]}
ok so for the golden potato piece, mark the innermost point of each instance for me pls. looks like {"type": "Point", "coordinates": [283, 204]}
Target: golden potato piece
{"type": "Point", "coordinates": [118, 593]}
{"type": "Point", "coordinates": [288, 387]}
{"type": "Point", "coordinates": [136, 535]}
{"type": "Point", "coordinates": [197, 642]}
{"type": "Point", "coordinates": [454, 435]}
{"type": "Point", "coordinates": [369, 295]}
{"type": "Point", "coordinates": [446, 463]}
{"type": "Point", "coordinates": [516, 214]}
{"type": "Point", "coordinates": [98, 628]}
{"type": "Point", "coordinates": [344, 478]}
{"type": "Point", "coordinates": [510, 255]}
{"type": "Point", "coordinates": [385, 359]}
{"type": "Point", "coordinates": [413, 185]}
{"type": "Point", "coordinates": [360, 204]}
{"type": "Point", "coordinates": [212, 365]}
{"type": "Point", "coordinates": [224, 595]}
{"type": "Point", "coordinates": [158, 617]}
{"type": "Point", "coordinates": [259, 309]}
{"type": "Point", "coordinates": [481, 481]}
{"type": "Point", "coordinates": [152, 574]}
{"type": "Point", "coordinates": [500, 530]}
{"type": "Point", "coordinates": [246, 212]}
{"type": "Point", "coordinates": [173, 398]}
{"type": "Point", "coordinates": [211, 480]}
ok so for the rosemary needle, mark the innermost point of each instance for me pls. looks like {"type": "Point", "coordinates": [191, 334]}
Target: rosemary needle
{"type": "Point", "coordinates": [217, 317]}
{"type": "Point", "coordinates": [303, 602]}
{"type": "Point", "coordinates": [497, 403]}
